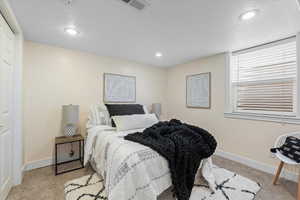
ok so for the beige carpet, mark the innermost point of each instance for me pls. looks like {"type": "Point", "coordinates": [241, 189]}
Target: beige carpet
{"type": "Point", "coordinates": [42, 184]}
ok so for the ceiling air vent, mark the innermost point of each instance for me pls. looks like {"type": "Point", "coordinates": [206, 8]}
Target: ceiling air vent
{"type": "Point", "coordinates": [68, 2]}
{"type": "Point", "coordinates": [137, 4]}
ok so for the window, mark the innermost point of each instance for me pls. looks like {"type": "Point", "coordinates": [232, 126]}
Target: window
{"type": "Point", "coordinates": [263, 81]}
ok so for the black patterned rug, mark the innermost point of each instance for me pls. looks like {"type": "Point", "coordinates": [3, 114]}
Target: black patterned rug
{"type": "Point", "coordinates": [229, 186]}
{"type": "Point", "coordinates": [88, 187]}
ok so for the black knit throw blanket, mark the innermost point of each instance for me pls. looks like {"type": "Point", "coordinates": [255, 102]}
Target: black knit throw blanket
{"type": "Point", "coordinates": [183, 145]}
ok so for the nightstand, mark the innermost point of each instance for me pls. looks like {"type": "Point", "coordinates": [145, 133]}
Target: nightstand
{"type": "Point", "coordinates": [69, 140]}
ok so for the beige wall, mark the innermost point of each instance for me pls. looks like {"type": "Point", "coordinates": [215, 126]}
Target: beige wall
{"type": "Point", "coordinates": [248, 138]}
{"type": "Point", "coordinates": [55, 76]}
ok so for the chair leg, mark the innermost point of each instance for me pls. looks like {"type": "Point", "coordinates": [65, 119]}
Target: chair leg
{"type": "Point", "coordinates": [278, 173]}
{"type": "Point", "coordinates": [298, 196]}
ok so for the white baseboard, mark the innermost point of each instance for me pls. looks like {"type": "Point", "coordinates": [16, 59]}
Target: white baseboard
{"type": "Point", "coordinates": [38, 164]}
{"type": "Point", "coordinates": [44, 163]}
{"type": "Point", "coordinates": [257, 165]}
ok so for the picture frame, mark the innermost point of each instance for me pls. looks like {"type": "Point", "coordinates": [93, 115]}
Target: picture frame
{"type": "Point", "coordinates": [118, 88]}
{"type": "Point", "coordinates": [198, 91]}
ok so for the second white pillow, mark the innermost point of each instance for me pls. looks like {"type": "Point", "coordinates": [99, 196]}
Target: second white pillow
{"type": "Point", "coordinates": [130, 122]}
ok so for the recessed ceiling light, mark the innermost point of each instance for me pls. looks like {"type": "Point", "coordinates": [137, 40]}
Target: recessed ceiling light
{"type": "Point", "coordinates": [249, 15]}
{"type": "Point", "coordinates": [71, 31]}
{"type": "Point", "coordinates": [158, 54]}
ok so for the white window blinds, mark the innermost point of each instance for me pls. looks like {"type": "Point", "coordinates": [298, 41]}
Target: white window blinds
{"type": "Point", "coordinates": [264, 78]}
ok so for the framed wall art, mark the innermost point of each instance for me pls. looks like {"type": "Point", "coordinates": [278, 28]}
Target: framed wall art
{"type": "Point", "coordinates": [198, 89]}
{"type": "Point", "coordinates": [119, 88]}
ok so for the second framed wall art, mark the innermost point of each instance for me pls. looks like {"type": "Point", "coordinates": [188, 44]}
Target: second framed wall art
{"type": "Point", "coordinates": [198, 89]}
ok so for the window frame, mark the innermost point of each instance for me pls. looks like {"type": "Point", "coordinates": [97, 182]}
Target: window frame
{"type": "Point", "coordinates": [280, 117]}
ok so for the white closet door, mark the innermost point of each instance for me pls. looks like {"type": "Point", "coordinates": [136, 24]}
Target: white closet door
{"type": "Point", "coordinates": [6, 80]}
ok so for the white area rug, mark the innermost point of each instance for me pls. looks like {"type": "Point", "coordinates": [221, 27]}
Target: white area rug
{"type": "Point", "coordinates": [88, 187]}
{"type": "Point", "coordinates": [230, 186]}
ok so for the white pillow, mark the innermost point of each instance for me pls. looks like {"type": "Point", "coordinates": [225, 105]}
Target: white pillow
{"type": "Point", "coordinates": [145, 109]}
{"type": "Point", "coordinates": [98, 115]}
{"type": "Point", "coordinates": [130, 122]}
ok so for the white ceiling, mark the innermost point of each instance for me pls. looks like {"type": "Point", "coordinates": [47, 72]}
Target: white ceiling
{"type": "Point", "coordinates": [182, 30]}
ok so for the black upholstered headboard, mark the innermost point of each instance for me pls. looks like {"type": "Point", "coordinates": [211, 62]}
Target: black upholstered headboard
{"type": "Point", "coordinates": [124, 109]}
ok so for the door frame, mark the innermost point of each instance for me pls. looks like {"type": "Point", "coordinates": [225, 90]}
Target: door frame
{"type": "Point", "coordinates": [17, 114]}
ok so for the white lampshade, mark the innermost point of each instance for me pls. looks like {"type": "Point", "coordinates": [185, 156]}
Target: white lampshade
{"type": "Point", "coordinates": [70, 114]}
{"type": "Point", "coordinates": [70, 119]}
{"type": "Point", "coordinates": [156, 109]}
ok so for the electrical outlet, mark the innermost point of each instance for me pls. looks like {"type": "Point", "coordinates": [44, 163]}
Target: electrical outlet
{"type": "Point", "coordinates": [272, 155]}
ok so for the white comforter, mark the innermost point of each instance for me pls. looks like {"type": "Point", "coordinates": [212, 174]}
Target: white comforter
{"type": "Point", "coordinates": [131, 170]}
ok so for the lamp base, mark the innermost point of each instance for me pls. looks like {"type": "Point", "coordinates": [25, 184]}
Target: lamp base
{"type": "Point", "coordinates": [70, 130]}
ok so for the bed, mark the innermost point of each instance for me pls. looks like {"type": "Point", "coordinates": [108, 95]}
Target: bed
{"type": "Point", "coordinates": [130, 170]}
